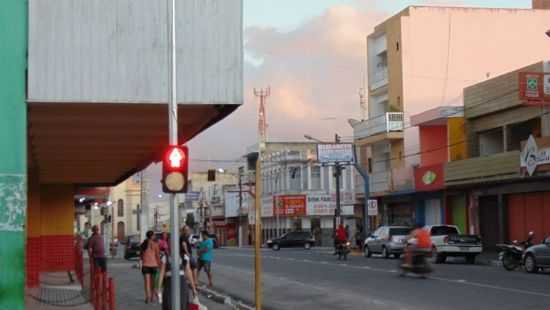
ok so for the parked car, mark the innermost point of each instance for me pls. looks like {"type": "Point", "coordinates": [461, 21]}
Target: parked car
{"type": "Point", "coordinates": [132, 247]}
{"type": "Point", "coordinates": [537, 257]}
{"type": "Point", "coordinates": [387, 240]}
{"type": "Point", "coordinates": [448, 242]}
{"type": "Point", "coordinates": [292, 239]}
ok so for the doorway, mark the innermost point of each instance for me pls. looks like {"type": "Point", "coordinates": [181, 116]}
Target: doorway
{"type": "Point", "coordinates": [489, 224]}
{"type": "Point", "coordinates": [121, 234]}
{"type": "Point", "coordinates": [316, 230]}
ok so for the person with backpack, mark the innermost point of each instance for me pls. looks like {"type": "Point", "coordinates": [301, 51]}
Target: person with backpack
{"type": "Point", "coordinates": [150, 263]}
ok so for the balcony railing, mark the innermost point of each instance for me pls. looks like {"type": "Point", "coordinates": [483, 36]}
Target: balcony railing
{"type": "Point", "coordinates": [379, 78]}
{"type": "Point", "coordinates": [388, 122]}
{"type": "Point", "coordinates": [497, 167]}
{"type": "Point", "coordinates": [380, 182]}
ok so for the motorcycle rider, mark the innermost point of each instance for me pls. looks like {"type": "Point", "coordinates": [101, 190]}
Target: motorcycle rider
{"type": "Point", "coordinates": [341, 236]}
{"type": "Point", "coordinates": [529, 242]}
{"type": "Point", "coordinates": [422, 245]}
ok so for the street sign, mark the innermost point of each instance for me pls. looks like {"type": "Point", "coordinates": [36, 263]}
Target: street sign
{"type": "Point", "coordinates": [534, 88]}
{"type": "Point", "coordinates": [192, 196]}
{"type": "Point", "coordinates": [372, 207]}
{"type": "Point", "coordinates": [335, 152]}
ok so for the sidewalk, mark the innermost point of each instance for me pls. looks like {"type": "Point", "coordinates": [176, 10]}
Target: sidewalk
{"type": "Point", "coordinates": [129, 288]}
{"type": "Point", "coordinates": [57, 292]}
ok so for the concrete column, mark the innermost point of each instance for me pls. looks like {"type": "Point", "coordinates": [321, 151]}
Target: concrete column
{"type": "Point", "coordinates": [56, 226]}
{"type": "Point", "coordinates": [309, 187]}
{"type": "Point", "coordinates": [13, 153]}
{"type": "Point", "coordinates": [330, 181]}
{"type": "Point", "coordinates": [501, 218]}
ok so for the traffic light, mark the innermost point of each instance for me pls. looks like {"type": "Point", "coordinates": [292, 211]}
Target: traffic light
{"type": "Point", "coordinates": [175, 165]}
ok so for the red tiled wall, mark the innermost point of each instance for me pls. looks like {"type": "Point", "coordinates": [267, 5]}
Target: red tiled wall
{"type": "Point", "coordinates": [33, 261]}
{"type": "Point", "coordinates": [57, 253]}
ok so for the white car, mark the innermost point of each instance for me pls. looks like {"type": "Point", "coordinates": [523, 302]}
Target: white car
{"type": "Point", "coordinates": [448, 242]}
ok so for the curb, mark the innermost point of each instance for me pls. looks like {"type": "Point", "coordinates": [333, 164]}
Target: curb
{"type": "Point", "coordinates": [223, 299]}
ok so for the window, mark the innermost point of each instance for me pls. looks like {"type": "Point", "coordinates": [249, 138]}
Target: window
{"type": "Point", "coordinates": [120, 208]}
{"type": "Point", "coordinates": [520, 132]}
{"type": "Point", "coordinates": [326, 178]}
{"type": "Point", "coordinates": [490, 142]}
{"type": "Point", "coordinates": [444, 230]}
{"type": "Point", "coordinates": [397, 46]}
{"type": "Point", "coordinates": [370, 165]}
{"type": "Point", "coordinates": [401, 231]}
{"type": "Point", "coordinates": [138, 213]}
{"type": "Point", "coordinates": [315, 177]}
{"type": "Point", "coordinates": [295, 178]}
{"type": "Point", "coordinates": [305, 178]}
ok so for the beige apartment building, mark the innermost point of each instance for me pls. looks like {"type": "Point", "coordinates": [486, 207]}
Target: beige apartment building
{"type": "Point", "coordinates": [422, 58]}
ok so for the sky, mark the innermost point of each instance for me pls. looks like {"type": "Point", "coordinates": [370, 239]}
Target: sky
{"type": "Point", "coordinates": [312, 55]}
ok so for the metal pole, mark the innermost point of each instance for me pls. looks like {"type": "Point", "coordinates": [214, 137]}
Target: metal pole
{"type": "Point", "coordinates": [337, 173]}
{"type": "Point", "coordinates": [141, 219]}
{"type": "Point", "coordinates": [173, 137]}
{"type": "Point", "coordinates": [258, 235]}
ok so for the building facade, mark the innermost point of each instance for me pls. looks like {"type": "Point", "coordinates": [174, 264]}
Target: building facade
{"type": "Point", "coordinates": [504, 200]}
{"type": "Point", "coordinates": [300, 194]}
{"type": "Point", "coordinates": [420, 59]}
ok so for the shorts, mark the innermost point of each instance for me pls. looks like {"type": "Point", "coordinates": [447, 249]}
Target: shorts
{"type": "Point", "coordinates": [101, 263]}
{"type": "Point", "coordinates": [193, 263]}
{"type": "Point", "coordinates": [149, 270]}
{"type": "Point", "coordinates": [207, 265]}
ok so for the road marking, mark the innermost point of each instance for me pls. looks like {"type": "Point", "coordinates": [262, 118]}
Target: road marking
{"type": "Point", "coordinates": [457, 281]}
{"type": "Point", "coordinates": [495, 287]}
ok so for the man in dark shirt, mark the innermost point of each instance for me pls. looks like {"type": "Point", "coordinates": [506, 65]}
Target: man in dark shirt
{"type": "Point", "coordinates": [96, 249]}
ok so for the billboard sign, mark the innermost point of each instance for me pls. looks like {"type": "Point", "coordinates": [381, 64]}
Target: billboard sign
{"type": "Point", "coordinates": [534, 87]}
{"type": "Point", "coordinates": [325, 204]}
{"type": "Point", "coordinates": [290, 205]}
{"type": "Point", "coordinates": [532, 156]}
{"type": "Point", "coordinates": [335, 152]}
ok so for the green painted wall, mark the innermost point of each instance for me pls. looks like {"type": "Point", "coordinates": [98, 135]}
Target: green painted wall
{"type": "Point", "coordinates": [13, 152]}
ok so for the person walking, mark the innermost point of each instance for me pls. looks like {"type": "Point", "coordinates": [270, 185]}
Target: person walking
{"type": "Point", "coordinates": [187, 249]}
{"type": "Point", "coordinates": [164, 252]}
{"type": "Point", "coordinates": [96, 249]}
{"type": "Point", "coordinates": [205, 252]}
{"type": "Point", "coordinates": [185, 272]}
{"type": "Point", "coordinates": [150, 263]}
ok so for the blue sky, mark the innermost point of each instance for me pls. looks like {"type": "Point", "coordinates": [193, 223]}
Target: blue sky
{"type": "Point", "coordinates": [286, 15]}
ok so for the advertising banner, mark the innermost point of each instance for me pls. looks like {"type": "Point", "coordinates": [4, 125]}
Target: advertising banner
{"type": "Point", "coordinates": [290, 205]}
{"type": "Point", "coordinates": [337, 152]}
{"type": "Point", "coordinates": [325, 204]}
{"type": "Point", "coordinates": [429, 178]}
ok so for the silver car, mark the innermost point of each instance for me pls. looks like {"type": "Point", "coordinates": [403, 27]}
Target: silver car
{"type": "Point", "coordinates": [387, 240]}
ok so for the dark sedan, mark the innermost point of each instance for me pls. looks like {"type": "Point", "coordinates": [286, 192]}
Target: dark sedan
{"type": "Point", "coordinates": [537, 257]}
{"type": "Point", "coordinates": [292, 239]}
{"type": "Point", "coordinates": [132, 247]}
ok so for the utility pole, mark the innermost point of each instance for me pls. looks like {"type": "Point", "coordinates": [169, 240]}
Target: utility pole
{"type": "Point", "coordinates": [173, 140]}
{"type": "Point", "coordinates": [337, 175]}
{"type": "Point", "coordinates": [262, 137]}
{"type": "Point", "coordinates": [240, 205]}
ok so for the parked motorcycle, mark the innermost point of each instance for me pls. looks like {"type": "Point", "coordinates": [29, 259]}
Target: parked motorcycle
{"type": "Point", "coordinates": [511, 254]}
{"type": "Point", "coordinates": [343, 249]}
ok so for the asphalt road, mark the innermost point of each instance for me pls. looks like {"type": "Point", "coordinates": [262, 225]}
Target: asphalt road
{"type": "Point", "coordinates": [300, 279]}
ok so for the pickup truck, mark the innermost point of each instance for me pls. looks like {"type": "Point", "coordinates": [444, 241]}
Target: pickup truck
{"type": "Point", "coordinates": [447, 241]}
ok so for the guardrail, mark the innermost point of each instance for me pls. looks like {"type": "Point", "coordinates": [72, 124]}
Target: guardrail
{"type": "Point", "coordinates": [102, 289]}
{"type": "Point", "coordinates": [102, 286]}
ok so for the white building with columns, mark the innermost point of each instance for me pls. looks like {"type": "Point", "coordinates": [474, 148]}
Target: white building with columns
{"type": "Point", "coordinates": [300, 194]}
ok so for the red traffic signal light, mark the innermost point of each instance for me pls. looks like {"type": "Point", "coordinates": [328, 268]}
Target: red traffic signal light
{"type": "Point", "coordinates": [175, 164]}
